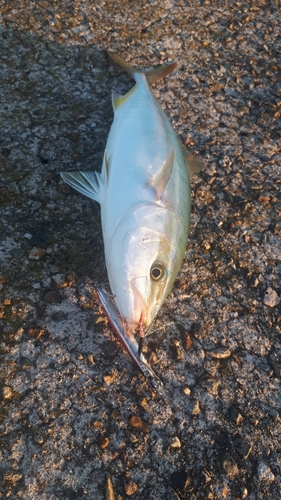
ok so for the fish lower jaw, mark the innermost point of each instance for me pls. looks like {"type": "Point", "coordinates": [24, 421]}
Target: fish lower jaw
{"type": "Point", "coordinates": [134, 329]}
{"type": "Point", "coordinates": [130, 327]}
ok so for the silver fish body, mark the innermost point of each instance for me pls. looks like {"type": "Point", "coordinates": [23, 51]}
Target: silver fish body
{"type": "Point", "coordinates": [144, 193]}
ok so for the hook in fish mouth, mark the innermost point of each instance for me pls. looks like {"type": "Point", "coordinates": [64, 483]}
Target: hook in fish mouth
{"type": "Point", "coordinates": [127, 339]}
{"type": "Point", "coordinates": [141, 338]}
{"type": "Point", "coordinates": [138, 329]}
{"type": "Point", "coordinates": [141, 344]}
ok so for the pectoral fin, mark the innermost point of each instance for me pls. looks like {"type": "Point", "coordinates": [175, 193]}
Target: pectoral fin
{"type": "Point", "coordinates": [194, 165]}
{"type": "Point", "coordinates": [88, 183]}
{"type": "Point", "coordinates": [159, 181]}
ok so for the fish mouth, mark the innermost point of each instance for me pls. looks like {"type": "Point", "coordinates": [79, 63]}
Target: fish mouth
{"type": "Point", "coordinates": [139, 286]}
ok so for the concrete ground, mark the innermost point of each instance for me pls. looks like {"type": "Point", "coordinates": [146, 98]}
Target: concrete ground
{"type": "Point", "coordinates": [74, 410]}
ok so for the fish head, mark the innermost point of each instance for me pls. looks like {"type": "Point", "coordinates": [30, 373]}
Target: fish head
{"type": "Point", "coordinates": [146, 261]}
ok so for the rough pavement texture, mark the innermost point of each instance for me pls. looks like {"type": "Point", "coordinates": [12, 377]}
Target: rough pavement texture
{"type": "Point", "coordinates": [70, 398]}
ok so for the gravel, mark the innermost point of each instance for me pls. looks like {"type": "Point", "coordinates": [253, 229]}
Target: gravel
{"type": "Point", "coordinates": [68, 398]}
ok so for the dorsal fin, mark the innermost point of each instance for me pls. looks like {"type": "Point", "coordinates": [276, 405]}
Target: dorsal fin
{"type": "Point", "coordinates": [194, 165]}
{"type": "Point", "coordinates": [152, 75]}
{"type": "Point", "coordinates": [159, 181]}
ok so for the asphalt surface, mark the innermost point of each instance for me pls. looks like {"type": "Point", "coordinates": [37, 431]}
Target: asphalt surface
{"type": "Point", "coordinates": [74, 410]}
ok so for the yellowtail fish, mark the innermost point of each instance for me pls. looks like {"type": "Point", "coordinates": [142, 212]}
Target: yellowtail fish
{"type": "Point", "coordinates": [144, 194]}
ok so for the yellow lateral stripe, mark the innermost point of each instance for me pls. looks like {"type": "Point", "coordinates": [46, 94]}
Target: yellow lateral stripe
{"type": "Point", "coordinates": [118, 100]}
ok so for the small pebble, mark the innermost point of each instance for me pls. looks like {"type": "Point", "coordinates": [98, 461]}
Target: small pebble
{"type": "Point", "coordinates": [220, 353]}
{"type": "Point", "coordinates": [131, 488]}
{"type": "Point", "coordinates": [144, 403]}
{"type": "Point", "coordinates": [264, 199]}
{"type": "Point", "coordinates": [175, 443]}
{"type": "Point", "coordinates": [224, 492]}
{"type": "Point", "coordinates": [244, 493]}
{"type": "Point", "coordinates": [91, 359]}
{"type": "Point", "coordinates": [229, 466]}
{"type": "Point", "coordinates": [7, 392]}
{"type": "Point", "coordinates": [187, 342]}
{"type": "Point", "coordinates": [195, 408]}
{"type": "Point", "coordinates": [36, 333]}
{"type": "Point", "coordinates": [37, 253]}
{"type": "Point", "coordinates": [254, 421]}
{"type": "Point", "coordinates": [100, 319]}
{"type": "Point", "coordinates": [97, 425]}
{"type": "Point", "coordinates": [176, 350]}
{"type": "Point", "coordinates": [13, 477]}
{"type": "Point", "coordinates": [59, 281]}
{"type": "Point", "coordinates": [104, 442]}
{"type": "Point", "coordinates": [39, 439]}
{"type": "Point", "coordinates": [271, 298]}
{"type": "Point", "coordinates": [187, 391]}
{"type": "Point", "coordinates": [138, 423]}
{"type": "Point", "coordinates": [265, 473]}
{"type": "Point", "coordinates": [153, 360]}
{"type": "Point", "coordinates": [254, 281]}
{"type": "Point", "coordinates": [207, 475]}
{"type": "Point", "coordinates": [109, 379]}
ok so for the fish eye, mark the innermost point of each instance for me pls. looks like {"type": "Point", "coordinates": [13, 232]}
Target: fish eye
{"type": "Point", "coordinates": [157, 272]}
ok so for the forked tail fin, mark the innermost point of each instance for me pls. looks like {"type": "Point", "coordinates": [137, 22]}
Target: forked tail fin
{"type": "Point", "coordinates": [152, 75]}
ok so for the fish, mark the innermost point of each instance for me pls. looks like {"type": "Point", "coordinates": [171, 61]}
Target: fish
{"type": "Point", "coordinates": [144, 194]}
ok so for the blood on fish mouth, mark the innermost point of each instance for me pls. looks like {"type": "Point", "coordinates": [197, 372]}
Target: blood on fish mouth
{"type": "Point", "coordinates": [127, 339]}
